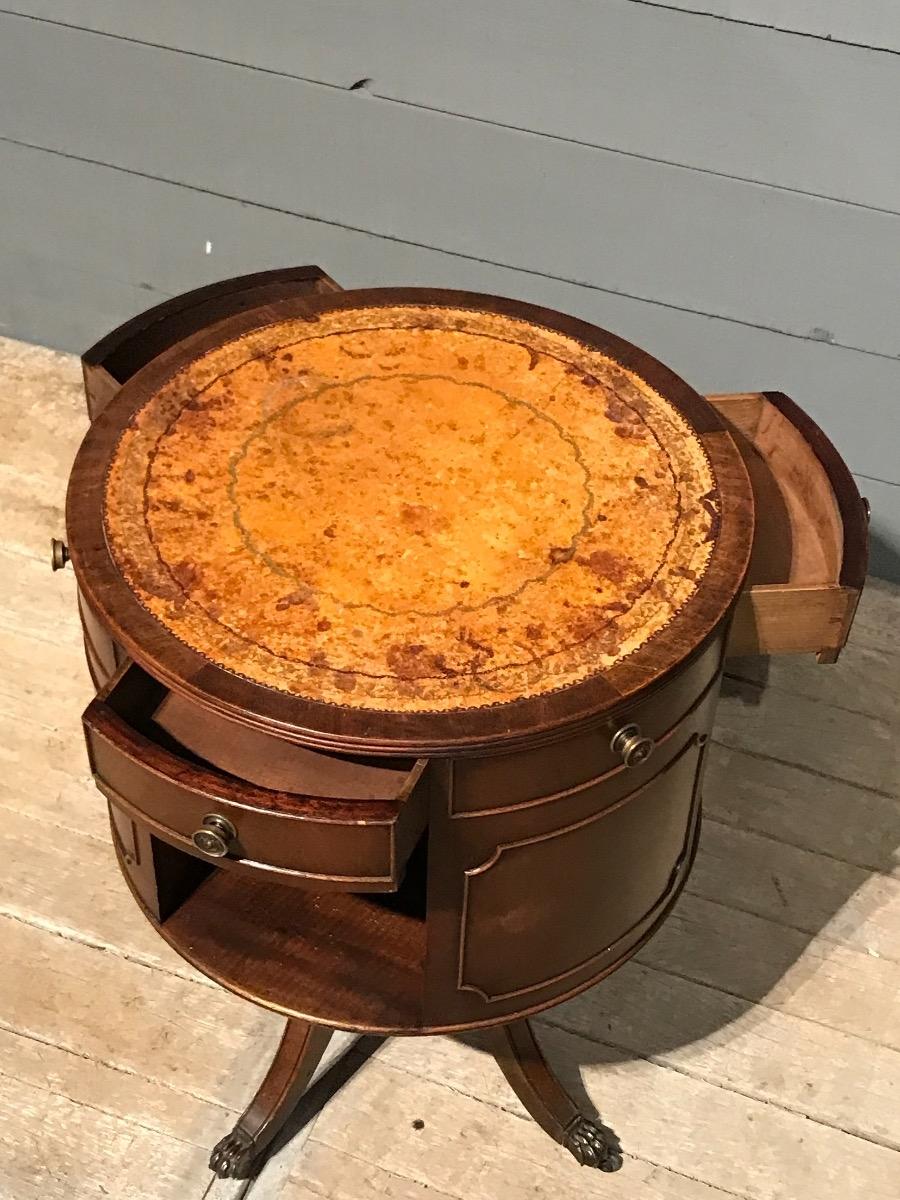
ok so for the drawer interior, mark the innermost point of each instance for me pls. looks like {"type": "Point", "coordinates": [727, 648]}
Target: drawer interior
{"type": "Point", "coordinates": [206, 739]}
{"type": "Point", "coordinates": [333, 823]}
{"type": "Point", "coordinates": [808, 562]}
{"type": "Point", "coordinates": [273, 762]}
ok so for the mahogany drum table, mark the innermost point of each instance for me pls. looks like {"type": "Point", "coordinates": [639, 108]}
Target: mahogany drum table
{"type": "Point", "coordinates": [407, 612]}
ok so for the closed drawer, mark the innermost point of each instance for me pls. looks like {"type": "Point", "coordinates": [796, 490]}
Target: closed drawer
{"type": "Point", "coordinates": [479, 834]}
{"type": "Point", "coordinates": [810, 545]}
{"type": "Point", "coordinates": [488, 784]}
{"type": "Point", "coordinates": [99, 648]}
{"type": "Point", "coordinates": [325, 842]}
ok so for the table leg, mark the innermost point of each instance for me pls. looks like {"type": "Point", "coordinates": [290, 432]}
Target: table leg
{"type": "Point", "coordinates": [521, 1061]}
{"type": "Point", "coordinates": [301, 1048]}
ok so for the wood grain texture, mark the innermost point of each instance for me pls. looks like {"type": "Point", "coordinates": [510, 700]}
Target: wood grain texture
{"type": "Point", "coordinates": [798, 1154]}
{"type": "Point", "coordinates": [832, 106]}
{"type": "Point", "coordinates": [747, 1023]}
{"type": "Point", "coordinates": [810, 543]}
{"type": "Point", "coordinates": [818, 257]}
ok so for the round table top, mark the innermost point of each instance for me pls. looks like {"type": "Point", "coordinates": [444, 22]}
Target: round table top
{"type": "Point", "coordinates": [397, 506]}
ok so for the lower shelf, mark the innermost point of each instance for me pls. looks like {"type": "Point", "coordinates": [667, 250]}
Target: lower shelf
{"type": "Point", "coordinates": [337, 959]}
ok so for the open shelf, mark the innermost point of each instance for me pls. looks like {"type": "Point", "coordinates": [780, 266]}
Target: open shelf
{"type": "Point", "coordinates": [336, 958]}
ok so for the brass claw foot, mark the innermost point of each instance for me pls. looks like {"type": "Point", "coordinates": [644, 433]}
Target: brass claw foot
{"type": "Point", "coordinates": [587, 1144]}
{"type": "Point", "coordinates": [232, 1155]}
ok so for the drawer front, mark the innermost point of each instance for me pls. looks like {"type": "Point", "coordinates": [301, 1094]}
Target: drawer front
{"type": "Point", "coordinates": [99, 647]}
{"type": "Point", "coordinates": [485, 784]}
{"type": "Point", "coordinates": [325, 844]}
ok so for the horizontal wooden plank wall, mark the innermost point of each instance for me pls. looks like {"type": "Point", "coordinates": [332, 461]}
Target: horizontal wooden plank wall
{"type": "Point", "coordinates": [874, 23]}
{"type": "Point", "coordinates": [618, 75]}
{"type": "Point", "coordinates": [721, 193]}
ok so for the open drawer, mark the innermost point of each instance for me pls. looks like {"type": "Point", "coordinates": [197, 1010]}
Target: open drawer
{"type": "Point", "coordinates": [314, 832]}
{"type": "Point", "coordinates": [810, 546]}
{"type": "Point", "coordinates": [121, 353]}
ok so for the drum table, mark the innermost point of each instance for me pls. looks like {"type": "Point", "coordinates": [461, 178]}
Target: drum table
{"type": "Point", "coordinates": [407, 612]}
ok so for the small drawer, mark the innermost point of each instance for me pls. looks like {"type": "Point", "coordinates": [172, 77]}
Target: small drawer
{"type": "Point", "coordinates": [488, 784]}
{"type": "Point", "coordinates": [99, 648]}
{"type": "Point", "coordinates": [326, 842]}
{"type": "Point", "coordinates": [120, 354]}
{"type": "Point", "coordinates": [810, 546]}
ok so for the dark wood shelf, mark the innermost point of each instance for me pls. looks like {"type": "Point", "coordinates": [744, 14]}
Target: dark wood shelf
{"type": "Point", "coordinates": [339, 959]}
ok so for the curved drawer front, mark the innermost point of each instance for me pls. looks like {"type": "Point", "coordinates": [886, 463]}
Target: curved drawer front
{"type": "Point", "coordinates": [99, 648]}
{"type": "Point", "coordinates": [117, 356]}
{"type": "Point", "coordinates": [325, 843]}
{"type": "Point", "coordinates": [482, 785]}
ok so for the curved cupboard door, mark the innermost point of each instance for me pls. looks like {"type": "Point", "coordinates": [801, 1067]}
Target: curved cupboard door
{"type": "Point", "coordinates": [531, 906]}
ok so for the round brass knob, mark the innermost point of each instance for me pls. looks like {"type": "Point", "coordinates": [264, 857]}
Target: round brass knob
{"type": "Point", "coordinates": [215, 836]}
{"type": "Point", "coordinates": [59, 554]}
{"type": "Point", "coordinates": [631, 744]}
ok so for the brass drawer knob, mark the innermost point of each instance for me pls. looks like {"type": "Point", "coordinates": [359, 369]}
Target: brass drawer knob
{"type": "Point", "coordinates": [215, 836]}
{"type": "Point", "coordinates": [59, 554]}
{"type": "Point", "coordinates": [631, 744]}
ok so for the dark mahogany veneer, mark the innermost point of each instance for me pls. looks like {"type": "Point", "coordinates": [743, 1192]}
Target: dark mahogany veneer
{"type": "Point", "coordinates": [406, 879]}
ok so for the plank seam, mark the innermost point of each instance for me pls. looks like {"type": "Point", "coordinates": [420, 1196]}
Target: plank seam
{"type": "Point", "coordinates": [460, 116]}
{"type": "Point", "coordinates": [489, 262]}
{"type": "Point", "coordinates": [443, 1083]}
{"type": "Point", "coordinates": [30, 1036]}
{"type": "Point", "coordinates": [875, 479]}
{"type": "Point", "coordinates": [821, 934]}
{"type": "Point", "coordinates": [758, 686]}
{"type": "Point", "coordinates": [43, 823]}
{"type": "Point", "coordinates": [657, 1061]}
{"type": "Point", "coordinates": [433, 1191]}
{"type": "Point", "coordinates": [35, 921]}
{"type": "Point", "coordinates": [754, 1003]}
{"type": "Point", "coordinates": [710, 819]}
{"type": "Point", "coordinates": [801, 33]}
{"type": "Point", "coordinates": [783, 762]}
{"type": "Point", "coordinates": [663, 162]}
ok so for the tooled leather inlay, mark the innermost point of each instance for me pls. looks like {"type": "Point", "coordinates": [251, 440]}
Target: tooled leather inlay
{"type": "Point", "coordinates": [410, 508]}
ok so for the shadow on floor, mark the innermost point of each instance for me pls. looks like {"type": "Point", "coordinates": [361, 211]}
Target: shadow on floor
{"type": "Point", "coordinates": [685, 986]}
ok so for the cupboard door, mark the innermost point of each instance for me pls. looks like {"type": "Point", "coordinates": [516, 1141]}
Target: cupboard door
{"type": "Point", "coordinates": [532, 905]}
{"type": "Point", "coordinates": [559, 902]}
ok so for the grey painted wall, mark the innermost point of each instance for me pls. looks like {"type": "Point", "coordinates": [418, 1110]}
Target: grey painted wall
{"type": "Point", "coordinates": [722, 186]}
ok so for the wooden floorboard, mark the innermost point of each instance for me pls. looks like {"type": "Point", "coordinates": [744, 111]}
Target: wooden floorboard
{"type": "Point", "coordinates": [751, 1050]}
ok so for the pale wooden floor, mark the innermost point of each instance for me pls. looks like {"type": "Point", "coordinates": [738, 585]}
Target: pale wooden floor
{"type": "Point", "coordinates": [751, 1050]}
